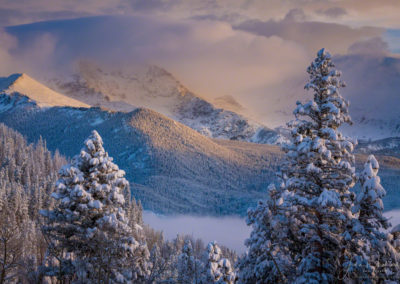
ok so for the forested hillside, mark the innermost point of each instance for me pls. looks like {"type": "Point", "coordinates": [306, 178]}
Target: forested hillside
{"type": "Point", "coordinates": [29, 174]}
{"type": "Point", "coordinates": [171, 167]}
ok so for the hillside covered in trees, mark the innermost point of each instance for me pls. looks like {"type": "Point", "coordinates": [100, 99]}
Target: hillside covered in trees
{"type": "Point", "coordinates": [30, 249]}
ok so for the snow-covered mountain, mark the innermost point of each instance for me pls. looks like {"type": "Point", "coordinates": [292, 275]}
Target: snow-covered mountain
{"type": "Point", "coordinates": [171, 167]}
{"type": "Point", "coordinates": [155, 88]}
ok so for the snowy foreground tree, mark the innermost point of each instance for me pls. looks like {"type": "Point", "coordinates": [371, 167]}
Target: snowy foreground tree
{"type": "Point", "coordinates": [309, 230]}
{"type": "Point", "coordinates": [376, 248]}
{"type": "Point", "coordinates": [217, 268]}
{"type": "Point", "coordinates": [88, 230]}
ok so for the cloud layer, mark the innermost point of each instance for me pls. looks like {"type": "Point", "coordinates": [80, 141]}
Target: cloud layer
{"type": "Point", "coordinates": [311, 35]}
{"type": "Point", "coordinates": [210, 57]}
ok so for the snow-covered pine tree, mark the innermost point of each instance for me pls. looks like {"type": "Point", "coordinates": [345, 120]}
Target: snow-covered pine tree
{"type": "Point", "coordinates": [88, 228]}
{"type": "Point", "coordinates": [186, 264]}
{"type": "Point", "coordinates": [228, 274]}
{"type": "Point", "coordinates": [376, 248]}
{"type": "Point", "coordinates": [268, 259]}
{"type": "Point", "coordinates": [217, 268]}
{"type": "Point", "coordinates": [319, 172]}
{"type": "Point", "coordinates": [212, 257]}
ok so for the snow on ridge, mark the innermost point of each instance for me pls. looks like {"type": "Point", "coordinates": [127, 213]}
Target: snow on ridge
{"type": "Point", "coordinates": [155, 88]}
{"type": "Point", "coordinates": [23, 84]}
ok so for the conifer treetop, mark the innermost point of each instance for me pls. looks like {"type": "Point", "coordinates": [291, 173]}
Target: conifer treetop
{"type": "Point", "coordinates": [328, 108]}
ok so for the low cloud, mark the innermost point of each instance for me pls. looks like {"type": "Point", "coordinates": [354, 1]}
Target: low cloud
{"type": "Point", "coordinates": [372, 46]}
{"type": "Point", "coordinates": [312, 35]}
{"type": "Point", "coordinates": [7, 43]}
{"type": "Point", "coordinates": [295, 15]}
{"type": "Point", "coordinates": [228, 231]}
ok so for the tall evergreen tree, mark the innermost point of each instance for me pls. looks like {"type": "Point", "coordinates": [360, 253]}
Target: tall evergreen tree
{"type": "Point", "coordinates": [320, 172]}
{"type": "Point", "coordinates": [376, 246]}
{"type": "Point", "coordinates": [314, 195]}
{"type": "Point", "coordinates": [88, 227]}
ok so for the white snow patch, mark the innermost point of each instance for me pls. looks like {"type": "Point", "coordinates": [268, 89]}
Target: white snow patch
{"type": "Point", "coordinates": [97, 121]}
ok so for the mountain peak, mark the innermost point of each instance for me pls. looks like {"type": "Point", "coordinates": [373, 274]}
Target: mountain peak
{"type": "Point", "coordinates": [25, 85]}
{"type": "Point", "coordinates": [6, 82]}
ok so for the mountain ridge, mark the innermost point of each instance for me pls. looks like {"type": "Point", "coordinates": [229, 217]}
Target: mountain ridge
{"type": "Point", "coordinates": [42, 95]}
{"type": "Point", "coordinates": [155, 88]}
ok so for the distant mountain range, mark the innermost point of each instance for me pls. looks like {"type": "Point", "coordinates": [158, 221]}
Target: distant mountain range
{"type": "Point", "coordinates": [171, 167]}
{"type": "Point", "coordinates": [154, 88]}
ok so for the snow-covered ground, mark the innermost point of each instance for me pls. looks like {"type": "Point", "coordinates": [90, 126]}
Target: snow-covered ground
{"type": "Point", "coordinates": [228, 231]}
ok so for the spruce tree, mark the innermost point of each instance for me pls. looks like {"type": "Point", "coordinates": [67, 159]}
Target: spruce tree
{"type": "Point", "coordinates": [302, 233]}
{"type": "Point", "coordinates": [320, 171]}
{"type": "Point", "coordinates": [376, 247]}
{"type": "Point", "coordinates": [88, 228]}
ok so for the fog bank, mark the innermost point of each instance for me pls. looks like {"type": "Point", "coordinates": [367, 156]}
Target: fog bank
{"type": "Point", "coordinates": [229, 231]}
